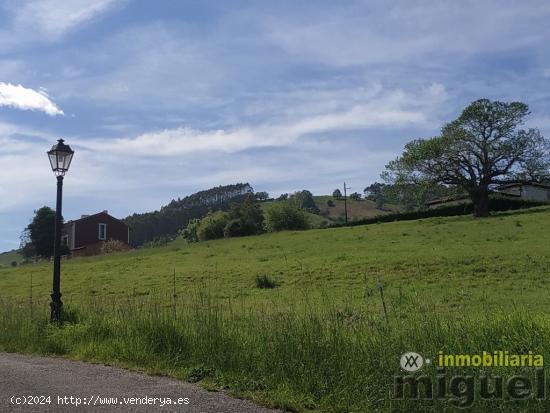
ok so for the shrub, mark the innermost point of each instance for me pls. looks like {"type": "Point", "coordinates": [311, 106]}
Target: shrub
{"type": "Point", "coordinates": [247, 218]}
{"type": "Point", "coordinates": [234, 228]}
{"type": "Point", "coordinates": [285, 216]}
{"type": "Point", "coordinates": [330, 203]}
{"type": "Point", "coordinates": [14, 263]}
{"type": "Point", "coordinates": [212, 226]}
{"type": "Point", "coordinates": [113, 245]}
{"type": "Point", "coordinates": [190, 232]}
{"type": "Point", "coordinates": [264, 282]}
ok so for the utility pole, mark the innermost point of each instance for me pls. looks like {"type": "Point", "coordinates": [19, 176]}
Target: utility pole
{"type": "Point", "coordinates": [346, 202]}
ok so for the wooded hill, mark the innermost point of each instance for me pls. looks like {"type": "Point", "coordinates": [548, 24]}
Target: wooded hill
{"type": "Point", "coordinates": [167, 221]}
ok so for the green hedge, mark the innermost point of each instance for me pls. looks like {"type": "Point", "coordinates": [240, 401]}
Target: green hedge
{"type": "Point", "coordinates": [495, 204]}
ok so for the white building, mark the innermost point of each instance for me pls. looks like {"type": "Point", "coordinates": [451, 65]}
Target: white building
{"type": "Point", "coordinates": [528, 191]}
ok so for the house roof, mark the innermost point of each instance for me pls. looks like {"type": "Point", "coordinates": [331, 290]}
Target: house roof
{"type": "Point", "coordinates": [447, 199]}
{"type": "Point", "coordinates": [455, 198]}
{"type": "Point", "coordinates": [520, 184]}
{"type": "Point", "coordinates": [92, 216]}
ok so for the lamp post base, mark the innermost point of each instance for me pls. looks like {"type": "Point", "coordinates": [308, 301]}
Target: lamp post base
{"type": "Point", "coordinates": [55, 307]}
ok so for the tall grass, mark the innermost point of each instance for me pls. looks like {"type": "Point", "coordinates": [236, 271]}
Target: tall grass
{"type": "Point", "coordinates": [325, 358]}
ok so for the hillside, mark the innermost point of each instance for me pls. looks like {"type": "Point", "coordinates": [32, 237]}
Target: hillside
{"type": "Point", "coordinates": [356, 209]}
{"type": "Point", "coordinates": [166, 222]}
{"type": "Point", "coordinates": [335, 214]}
{"type": "Point", "coordinates": [6, 258]}
{"type": "Point", "coordinates": [426, 259]}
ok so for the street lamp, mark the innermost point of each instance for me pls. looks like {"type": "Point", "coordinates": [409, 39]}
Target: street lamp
{"type": "Point", "coordinates": [60, 159]}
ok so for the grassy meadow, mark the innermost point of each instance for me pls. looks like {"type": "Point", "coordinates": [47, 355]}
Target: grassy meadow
{"type": "Point", "coordinates": [319, 340]}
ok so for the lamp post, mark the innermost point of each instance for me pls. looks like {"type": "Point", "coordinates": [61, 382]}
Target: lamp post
{"type": "Point", "coordinates": [60, 159]}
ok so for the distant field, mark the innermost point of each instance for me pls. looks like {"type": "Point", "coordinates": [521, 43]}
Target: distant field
{"type": "Point", "coordinates": [356, 209]}
{"type": "Point", "coordinates": [6, 258]}
{"type": "Point", "coordinates": [332, 214]}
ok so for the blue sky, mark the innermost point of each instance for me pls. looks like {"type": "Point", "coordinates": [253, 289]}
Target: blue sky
{"type": "Point", "coordinates": [162, 99]}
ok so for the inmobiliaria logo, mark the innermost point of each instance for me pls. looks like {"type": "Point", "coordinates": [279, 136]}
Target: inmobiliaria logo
{"type": "Point", "coordinates": [462, 390]}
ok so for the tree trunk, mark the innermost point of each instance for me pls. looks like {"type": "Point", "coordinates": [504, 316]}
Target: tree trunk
{"type": "Point", "coordinates": [480, 200]}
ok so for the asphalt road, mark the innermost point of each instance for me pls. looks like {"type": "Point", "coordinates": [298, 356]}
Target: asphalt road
{"type": "Point", "coordinates": [25, 380]}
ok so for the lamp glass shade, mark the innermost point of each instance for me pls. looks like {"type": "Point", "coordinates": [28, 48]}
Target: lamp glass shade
{"type": "Point", "coordinates": [60, 157]}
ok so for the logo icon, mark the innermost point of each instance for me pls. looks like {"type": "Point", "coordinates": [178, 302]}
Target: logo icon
{"type": "Point", "coordinates": [411, 361]}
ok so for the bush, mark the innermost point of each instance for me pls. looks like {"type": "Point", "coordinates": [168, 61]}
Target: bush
{"type": "Point", "coordinates": [285, 216]}
{"type": "Point", "coordinates": [14, 263]}
{"type": "Point", "coordinates": [264, 282]}
{"type": "Point", "coordinates": [113, 245]}
{"type": "Point", "coordinates": [330, 203]}
{"type": "Point", "coordinates": [190, 232]}
{"type": "Point", "coordinates": [234, 228]}
{"type": "Point", "coordinates": [247, 218]}
{"type": "Point", "coordinates": [212, 226]}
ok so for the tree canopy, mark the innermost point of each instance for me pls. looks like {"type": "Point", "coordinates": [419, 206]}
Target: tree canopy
{"type": "Point", "coordinates": [482, 148]}
{"type": "Point", "coordinates": [37, 238]}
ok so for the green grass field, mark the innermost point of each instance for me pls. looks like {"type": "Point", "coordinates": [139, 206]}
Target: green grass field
{"type": "Point", "coordinates": [456, 263]}
{"type": "Point", "coordinates": [319, 340]}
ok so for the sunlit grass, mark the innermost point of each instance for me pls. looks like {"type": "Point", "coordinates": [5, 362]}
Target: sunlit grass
{"type": "Point", "coordinates": [319, 339]}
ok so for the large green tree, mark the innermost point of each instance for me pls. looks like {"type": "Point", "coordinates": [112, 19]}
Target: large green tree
{"type": "Point", "coordinates": [484, 147]}
{"type": "Point", "coordinates": [38, 237]}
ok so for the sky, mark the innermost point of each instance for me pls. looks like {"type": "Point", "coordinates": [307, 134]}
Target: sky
{"type": "Point", "coordinates": [163, 99]}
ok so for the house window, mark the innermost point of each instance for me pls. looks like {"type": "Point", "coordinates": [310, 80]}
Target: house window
{"type": "Point", "coordinates": [65, 240]}
{"type": "Point", "coordinates": [102, 231]}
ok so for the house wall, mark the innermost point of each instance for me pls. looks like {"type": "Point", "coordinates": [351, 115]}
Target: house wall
{"type": "Point", "coordinates": [87, 230]}
{"type": "Point", "coordinates": [83, 234]}
{"type": "Point", "coordinates": [533, 193]}
{"type": "Point", "coordinates": [68, 232]}
{"type": "Point", "coordinates": [92, 249]}
{"type": "Point", "coordinates": [528, 192]}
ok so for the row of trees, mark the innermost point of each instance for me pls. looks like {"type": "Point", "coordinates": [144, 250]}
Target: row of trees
{"type": "Point", "coordinates": [337, 194]}
{"type": "Point", "coordinates": [302, 200]}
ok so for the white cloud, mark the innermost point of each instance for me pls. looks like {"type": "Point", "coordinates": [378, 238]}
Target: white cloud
{"type": "Point", "coordinates": [53, 18]}
{"type": "Point", "coordinates": [20, 97]}
{"type": "Point", "coordinates": [391, 109]}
